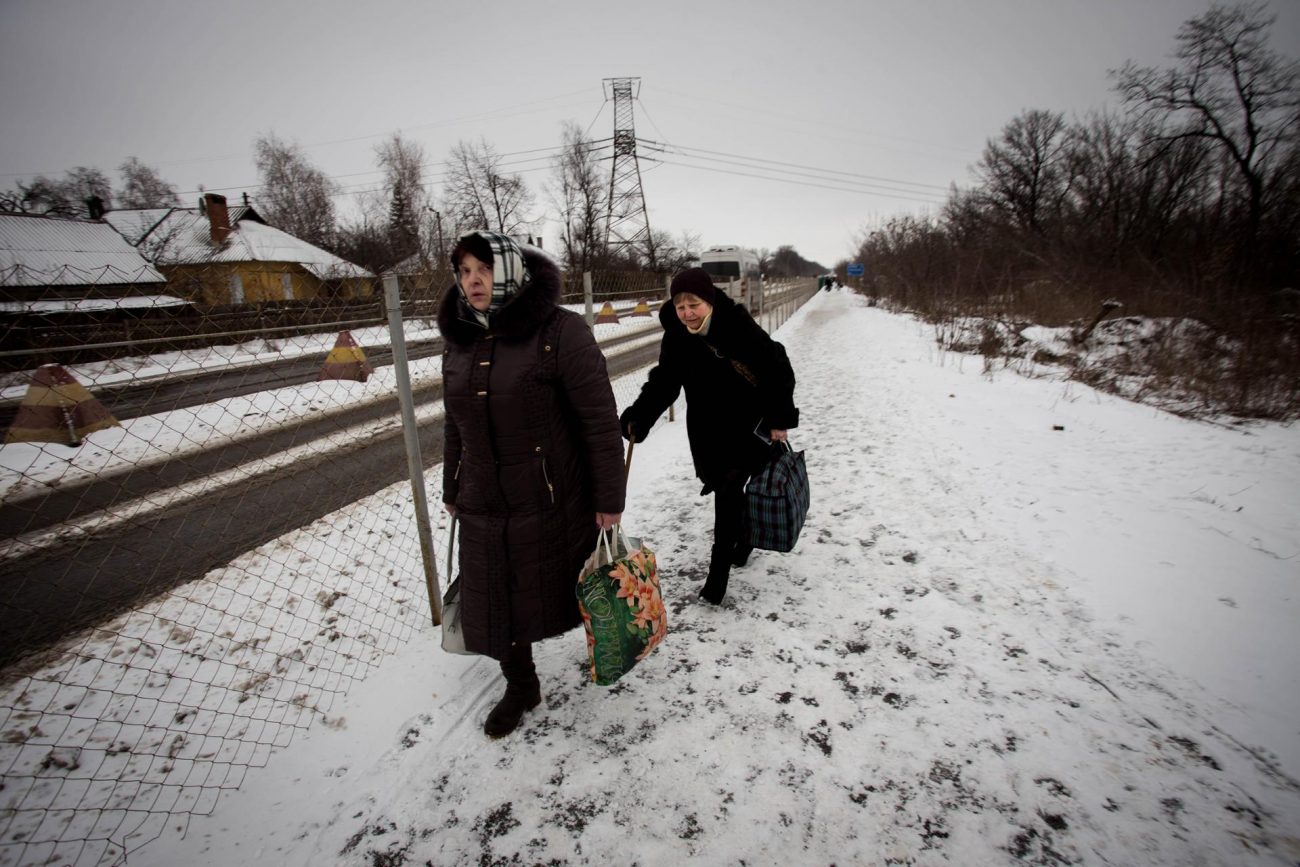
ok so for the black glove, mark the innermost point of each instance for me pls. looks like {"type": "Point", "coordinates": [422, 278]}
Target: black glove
{"type": "Point", "coordinates": [626, 421]}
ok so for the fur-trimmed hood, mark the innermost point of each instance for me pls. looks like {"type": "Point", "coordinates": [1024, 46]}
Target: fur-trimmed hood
{"type": "Point", "coordinates": [521, 316]}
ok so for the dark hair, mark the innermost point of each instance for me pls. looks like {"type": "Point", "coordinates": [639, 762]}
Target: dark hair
{"type": "Point", "coordinates": [475, 245]}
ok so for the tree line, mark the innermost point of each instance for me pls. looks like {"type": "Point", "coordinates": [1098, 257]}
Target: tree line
{"type": "Point", "coordinates": [406, 218]}
{"type": "Point", "coordinates": [1184, 201]}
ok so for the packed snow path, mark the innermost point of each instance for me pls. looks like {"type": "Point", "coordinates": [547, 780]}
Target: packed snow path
{"type": "Point", "coordinates": [916, 684]}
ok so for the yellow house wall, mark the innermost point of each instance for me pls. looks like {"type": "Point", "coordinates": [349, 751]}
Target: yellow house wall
{"type": "Point", "coordinates": [262, 281]}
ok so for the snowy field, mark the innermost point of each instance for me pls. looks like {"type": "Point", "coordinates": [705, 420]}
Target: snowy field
{"type": "Point", "coordinates": [1026, 623]}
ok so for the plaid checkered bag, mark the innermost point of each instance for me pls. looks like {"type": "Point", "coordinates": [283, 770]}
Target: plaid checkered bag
{"type": "Point", "coordinates": [777, 499]}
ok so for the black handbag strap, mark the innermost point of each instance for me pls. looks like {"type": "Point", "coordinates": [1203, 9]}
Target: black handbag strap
{"type": "Point", "coordinates": [739, 366]}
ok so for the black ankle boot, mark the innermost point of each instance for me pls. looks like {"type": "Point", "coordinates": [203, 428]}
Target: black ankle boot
{"type": "Point", "coordinates": [740, 556]}
{"type": "Point", "coordinates": [715, 586]}
{"type": "Point", "coordinates": [523, 693]}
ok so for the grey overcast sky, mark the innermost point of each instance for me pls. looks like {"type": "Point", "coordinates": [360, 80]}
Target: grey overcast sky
{"type": "Point", "coordinates": [899, 97]}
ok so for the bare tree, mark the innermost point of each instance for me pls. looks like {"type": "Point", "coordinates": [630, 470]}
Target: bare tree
{"type": "Point", "coordinates": [142, 187]}
{"type": "Point", "coordinates": [1023, 173]}
{"type": "Point", "coordinates": [667, 254]}
{"type": "Point", "coordinates": [579, 193]}
{"type": "Point", "coordinates": [65, 197]}
{"type": "Point", "coordinates": [41, 196]}
{"type": "Point", "coordinates": [480, 195]}
{"type": "Point", "coordinates": [296, 196]}
{"type": "Point", "coordinates": [1231, 90]}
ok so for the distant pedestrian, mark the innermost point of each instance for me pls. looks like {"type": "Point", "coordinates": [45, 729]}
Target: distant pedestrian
{"type": "Point", "coordinates": [739, 398]}
{"type": "Point", "coordinates": [532, 457]}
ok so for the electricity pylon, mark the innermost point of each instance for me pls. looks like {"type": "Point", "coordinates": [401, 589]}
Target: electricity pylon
{"type": "Point", "coordinates": [627, 226]}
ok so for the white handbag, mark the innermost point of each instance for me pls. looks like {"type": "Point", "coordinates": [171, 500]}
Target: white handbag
{"type": "Point", "coordinates": [453, 637]}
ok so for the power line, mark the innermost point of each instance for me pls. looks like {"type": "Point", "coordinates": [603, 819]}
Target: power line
{"type": "Point", "coordinates": [802, 122]}
{"type": "Point", "coordinates": [504, 112]}
{"type": "Point", "coordinates": [858, 190]}
{"type": "Point", "coordinates": [940, 187]}
{"type": "Point", "coordinates": [551, 151]}
{"type": "Point", "coordinates": [867, 186]}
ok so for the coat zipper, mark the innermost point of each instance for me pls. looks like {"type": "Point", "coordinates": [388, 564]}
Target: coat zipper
{"type": "Point", "coordinates": [547, 477]}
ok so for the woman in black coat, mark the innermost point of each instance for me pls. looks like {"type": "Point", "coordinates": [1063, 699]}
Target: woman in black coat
{"type": "Point", "coordinates": [739, 398]}
{"type": "Point", "coordinates": [532, 458]}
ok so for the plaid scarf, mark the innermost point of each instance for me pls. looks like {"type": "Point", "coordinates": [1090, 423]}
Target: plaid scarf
{"type": "Point", "coordinates": [509, 274]}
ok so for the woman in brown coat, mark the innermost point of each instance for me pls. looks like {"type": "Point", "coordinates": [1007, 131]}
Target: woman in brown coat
{"type": "Point", "coordinates": [532, 455]}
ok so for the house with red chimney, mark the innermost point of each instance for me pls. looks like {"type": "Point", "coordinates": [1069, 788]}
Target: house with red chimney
{"type": "Point", "coordinates": [216, 255]}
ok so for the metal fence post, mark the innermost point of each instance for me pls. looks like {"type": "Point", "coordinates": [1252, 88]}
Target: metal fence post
{"type": "Point", "coordinates": [392, 296]}
{"type": "Point", "coordinates": [586, 299]}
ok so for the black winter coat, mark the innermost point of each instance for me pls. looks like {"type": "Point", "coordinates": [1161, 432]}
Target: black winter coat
{"type": "Point", "coordinates": [531, 453]}
{"type": "Point", "coordinates": [723, 409]}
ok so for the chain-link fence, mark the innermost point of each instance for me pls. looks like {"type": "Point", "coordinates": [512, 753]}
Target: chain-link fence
{"type": "Point", "coordinates": [208, 535]}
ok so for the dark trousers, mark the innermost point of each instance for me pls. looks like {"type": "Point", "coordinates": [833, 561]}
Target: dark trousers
{"type": "Point", "coordinates": [728, 522]}
{"type": "Point", "coordinates": [728, 514]}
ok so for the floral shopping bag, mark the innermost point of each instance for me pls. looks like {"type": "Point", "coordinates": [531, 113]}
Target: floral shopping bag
{"type": "Point", "coordinates": [622, 608]}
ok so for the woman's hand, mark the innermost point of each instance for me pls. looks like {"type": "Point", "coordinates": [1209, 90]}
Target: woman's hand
{"type": "Point", "coordinates": [778, 436]}
{"type": "Point", "coordinates": [605, 520]}
{"type": "Point", "coordinates": [451, 508]}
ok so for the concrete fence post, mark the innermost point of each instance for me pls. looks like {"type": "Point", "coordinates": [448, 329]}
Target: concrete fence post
{"type": "Point", "coordinates": [590, 314]}
{"type": "Point", "coordinates": [411, 435]}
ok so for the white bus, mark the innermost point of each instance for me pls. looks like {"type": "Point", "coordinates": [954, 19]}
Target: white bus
{"type": "Point", "coordinates": [735, 271]}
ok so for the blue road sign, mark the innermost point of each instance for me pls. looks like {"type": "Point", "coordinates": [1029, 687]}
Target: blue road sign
{"type": "Point", "coordinates": [855, 269]}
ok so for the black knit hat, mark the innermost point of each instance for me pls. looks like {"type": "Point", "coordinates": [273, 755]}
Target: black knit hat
{"type": "Point", "coordinates": [695, 281]}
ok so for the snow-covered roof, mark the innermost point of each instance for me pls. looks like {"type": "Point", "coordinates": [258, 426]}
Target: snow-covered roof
{"type": "Point", "coordinates": [81, 305]}
{"type": "Point", "coordinates": [134, 224]}
{"type": "Point", "coordinates": [183, 237]}
{"type": "Point", "coordinates": [44, 251]}
{"type": "Point", "coordinates": [410, 266]}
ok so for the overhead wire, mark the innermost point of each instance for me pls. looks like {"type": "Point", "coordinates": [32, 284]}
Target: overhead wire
{"type": "Point", "coordinates": [940, 187]}
{"type": "Point", "coordinates": [749, 112]}
{"type": "Point", "coordinates": [760, 168]}
{"type": "Point", "coordinates": [840, 189]}
{"type": "Point", "coordinates": [869, 183]}
{"type": "Point", "coordinates": [863, 186]}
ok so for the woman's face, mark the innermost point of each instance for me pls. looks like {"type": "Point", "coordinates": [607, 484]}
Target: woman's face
{"type": "Point", "coordinates": [691, 309]}
{"type": "Point", "coordinates": [476, 281]}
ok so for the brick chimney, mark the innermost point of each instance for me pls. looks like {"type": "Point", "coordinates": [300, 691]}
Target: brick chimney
{"type": "Point", "coordinates": [218, 217]}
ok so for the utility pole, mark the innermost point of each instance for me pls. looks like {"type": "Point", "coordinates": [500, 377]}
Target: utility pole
{"type": "Point", "coordinates": [627, 226]}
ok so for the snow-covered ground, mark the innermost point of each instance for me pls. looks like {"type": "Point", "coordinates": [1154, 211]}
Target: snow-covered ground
{"type": "Point", "coordinates": [1026, 623]}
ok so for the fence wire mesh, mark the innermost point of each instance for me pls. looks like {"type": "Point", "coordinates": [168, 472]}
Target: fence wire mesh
{"type": "Point", "coordinates": [207, 535]}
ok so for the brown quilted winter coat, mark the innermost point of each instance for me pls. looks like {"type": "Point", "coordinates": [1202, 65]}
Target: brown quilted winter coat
{"type": "Point", "coordinates": [532, 452]}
